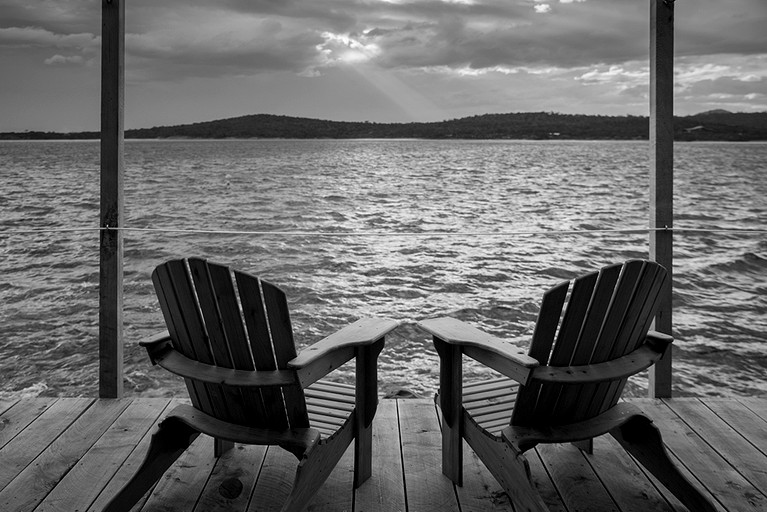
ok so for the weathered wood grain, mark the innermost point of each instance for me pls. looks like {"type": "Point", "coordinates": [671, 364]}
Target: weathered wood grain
{"type": "Point", "coordinates": [82, 484]}
{"type": "Point", "coordinates": [42, 475]}
{"type": "Point", "coordinates": [131, 464]}
{"type": "Point", "coordinates": [180, 487]}
{"type": "Point", "coordinates": [729, 443]}
{"type": "Point", "coordinates": [480, 491]}
{"type": "Point", "coordinates": [422, 460]}
{"type": "Point", "coordinates": [20, 451]}
{"type": "Point", "coordinates": [337, 492]}
{"type": "Point", "coordinates": [112, 208]}
{"type": "Point", "coordinates": [743, 419]}
{"type": "Point", "coordinates": [573, 477]}
{"type": "Point", "coordinates": [232, 480]}
{"type": "Point", "coordinates": [384, 491]}
{"type": "Point", "coordinates": [274, 482]}
{"type": "Point", "coordinates": [709, 470]}
{"type": "Point", "coordinates": [17, 415]}
{"type": "Point", "coordinates": [91, 451]}
{"type": "Point", "coordinates": [624, 479]}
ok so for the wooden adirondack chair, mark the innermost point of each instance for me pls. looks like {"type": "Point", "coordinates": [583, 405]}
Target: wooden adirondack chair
{"type": "Point", "coordinates": [230, 337]}
{"type": "Point", "coordinates": [561, 391]}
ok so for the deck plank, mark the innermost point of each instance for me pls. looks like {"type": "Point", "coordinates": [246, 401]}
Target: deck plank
{"type": "Point", "coordinates": [710, 469]}
{"type": "Point", "coordinates": [729, 444]}
{"type": "Point", "coordinates": [180, 487]}
{"type": "Point", "coordinates": [232, 480]}
{"type": "Point", "coordinates": [17, 416]}
{"type": "Point", "coordinates": [742, 419]}
{"type": "Point", "coordinates": [131, 464]}
{"type": "Point", "coordinates": [758, 406]}
{"type": "Point", "coordinates": [480, 491]}
{"type": "Point", "coordinates": [384, 491]}
{"type": "Point", "coordinates": [275, 481]}
{"type": "Point", "coordinates": [543, 484]}
{"type": "Point", "coordinates": [6, 404]}
{"type": "Point", "coordinates": [40, 477]}
{"type": "Point", "coordinates": [337, 493]}
{"type": "Point", "coordinates": [624, 480]}
{"type": "Point", "coordinates": [574, 477]}
{"type": "Point", "coordinates": [83, 483]}
{"type": "Point", "coordinates": [19, 452]}
{"type": "Point", "coordinates": [428, 490]}
{"type": "Point", "coordinates": [75, 453]}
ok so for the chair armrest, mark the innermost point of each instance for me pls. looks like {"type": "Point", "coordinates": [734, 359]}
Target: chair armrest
{"type": "Point", "coordinates": [162, 353]}
{"type": "Point", "coordinates": [659, 341]}
{"type": "Point", "coordinates": [489, 350]}
{"type": "Point", "coordinates": [156, 340]}
{"type": "Point", "coordinates": [634, 362]}
{"type": "Point", "coordinates": [321, 358]}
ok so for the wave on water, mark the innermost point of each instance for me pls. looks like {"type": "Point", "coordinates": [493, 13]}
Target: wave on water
{"type": "Point", "coordinates": [375, 197]}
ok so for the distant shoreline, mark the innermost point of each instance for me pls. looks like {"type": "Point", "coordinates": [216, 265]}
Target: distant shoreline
{"type": "Point", "coordinates": [245, 139]}
{"type": "Point", "coordinates": [708, 126]}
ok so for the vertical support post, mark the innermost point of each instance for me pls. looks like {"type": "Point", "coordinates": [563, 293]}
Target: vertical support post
{"type": "Point", "coordinates": [112, 170]}
{"type": "Point", "coordinates": [662, 172]}
{"type": "Point", "coordinates": [451, 404]}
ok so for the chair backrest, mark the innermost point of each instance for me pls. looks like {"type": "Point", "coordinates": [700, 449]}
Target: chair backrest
{"type": "Point", "coordinates": [233, 320]}
{"type": "Point", "coordinates": [607, 315]}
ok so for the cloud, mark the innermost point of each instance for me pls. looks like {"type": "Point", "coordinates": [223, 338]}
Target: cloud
{"type": "Point", "coordinates": [245, 37]}
{"type": "Point", "coordinates": [492, 55]}
{"type": "Point", "coordinates": [36, 36]}
{"type": "Point", "coordinates": [64, 60]}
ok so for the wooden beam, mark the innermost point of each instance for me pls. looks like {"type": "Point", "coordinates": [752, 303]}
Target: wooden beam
{"type": "Point", "coordinates": [112, 170]}
{"type": "Point", "coordinates": [662, 171]}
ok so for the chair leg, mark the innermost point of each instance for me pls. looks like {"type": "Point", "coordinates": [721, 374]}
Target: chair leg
{"type": "Point", "coordinates": [587, 445]}
{"type": "Point", "coordinates": [221, 446]}
{"type": "Point", "coordinates": [643, 440]}
{"type": "Point", "coordinates": [509, 467]}
{"type": "Point", "coordinates": [363, 455]}
{"type": "Point", "coordinates": [168, 443]}
{"type": "Point", "coordinates": [452, 452]}
{"type": "Point", "coordinates": [312, 472]}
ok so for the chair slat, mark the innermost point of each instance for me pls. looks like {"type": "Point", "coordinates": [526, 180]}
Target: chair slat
{"type": "Point", "coordinates": [595, 316]}
{"type": "Point", "coordinates": [573, 400]}
{"type": "Point", "coordinates": [540, 347]}
{"type": "Point", "coordinates": [227, 338]}
{"type": "Point", "coordinates": [617, 315]}
{"type": "Point", "coordinates": [548, 319]}
{"type": "Point", "coordinates": [185, 325]}
{"type": "Point", "coordinates": [573, 319]}
{"type": "Point", "coordinates": [330, 404]}
{"type": "Point", "coordinates": [650, 304]}
{"type": "Point", "coordinates": [257, 324]}
{"type": "Point", "coordinates": [489, 390]}
{"type": "Point", "coordinates": [566, 343]}
{"type": "Point", "coordinates": [337, 388]}
{"type": "Point", "coordinates": [276, 306]}
{"type": "Point", "coordinates": [329, 396]}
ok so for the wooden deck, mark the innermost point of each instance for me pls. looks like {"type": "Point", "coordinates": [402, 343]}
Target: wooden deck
{"type": "Point", "coordinates": [71, 454]}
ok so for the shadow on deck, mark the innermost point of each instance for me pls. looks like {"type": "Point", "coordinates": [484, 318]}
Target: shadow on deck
{"type": "Point", "coordinates": [72, 454]}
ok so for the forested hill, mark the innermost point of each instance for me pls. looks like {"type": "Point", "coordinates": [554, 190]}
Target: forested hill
{"type": "Point", "coordinates": [713, 125]}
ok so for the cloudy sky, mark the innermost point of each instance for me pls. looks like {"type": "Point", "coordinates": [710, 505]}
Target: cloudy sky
{"type": "Point", "coordinates": [375, 60]}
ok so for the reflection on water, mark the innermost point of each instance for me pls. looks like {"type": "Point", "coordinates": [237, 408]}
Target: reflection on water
{"type": "Point", "coordinates": [473, 189]}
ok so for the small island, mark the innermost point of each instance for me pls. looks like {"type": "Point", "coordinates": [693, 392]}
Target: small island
{"type": "Point", "coordinates": [715, 125]}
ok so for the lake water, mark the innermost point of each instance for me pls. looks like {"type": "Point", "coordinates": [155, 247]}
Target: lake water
{"type": "Point", "coordinates": [358, 207]}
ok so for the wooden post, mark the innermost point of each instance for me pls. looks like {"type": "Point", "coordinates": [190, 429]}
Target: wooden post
{"type": "Point", "coordinates": [662, 171]}
{"type": "Point", "coordinates": [112, 170]}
